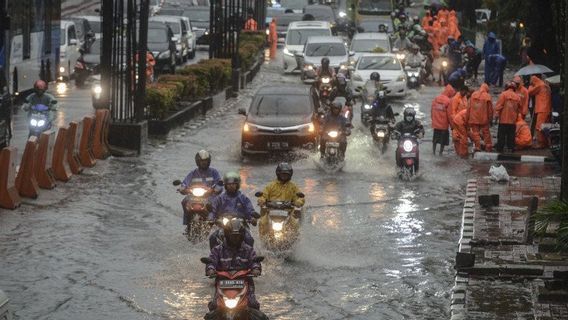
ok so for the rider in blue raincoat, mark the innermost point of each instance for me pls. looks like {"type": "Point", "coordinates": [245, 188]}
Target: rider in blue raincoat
{"type": "Point", "coordinates": [491, 46]}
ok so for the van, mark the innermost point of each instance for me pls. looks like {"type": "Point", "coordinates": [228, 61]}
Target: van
{"type": "Point", "coordinates": [184, 37]}
{"type": "Point", "coordinates": [296, 37]}
{"type": "Point", "coordinates": [68, 49]}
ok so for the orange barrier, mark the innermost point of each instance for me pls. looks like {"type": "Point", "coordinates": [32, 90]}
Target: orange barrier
{"type": "Point", "coordinates": [9, 197]}
{"type": "Point", "coordinates": [43, 170]}
{"type": "Point", "coordinates": [73, 139]}
{"type": "Point", "coordinates": [61, 169]}
{"type": "Point", "coordinates": [86, 142]}
{"type": "Point", "coordinates": [100, 139]}
{"type": "Point", "coordinates": [26, 181]}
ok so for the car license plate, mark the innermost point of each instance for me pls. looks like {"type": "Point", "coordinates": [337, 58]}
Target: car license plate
{"type": "Point", "coordinates": [277, 145]}
{"type": "Point", "coordinates": [232, 284]}
{"type": "Point", "coordinates": [408, 155]}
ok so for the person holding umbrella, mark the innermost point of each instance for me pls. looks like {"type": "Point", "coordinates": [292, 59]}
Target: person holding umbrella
{"type": "Point", "coordinates": [541, 91]}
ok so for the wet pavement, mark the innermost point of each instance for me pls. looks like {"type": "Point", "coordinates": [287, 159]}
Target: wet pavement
{"type": "Point", "coordinates": [109, 244]}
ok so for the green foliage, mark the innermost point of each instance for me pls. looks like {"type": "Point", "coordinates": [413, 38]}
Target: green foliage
{"type": "Point", "coordinates": [554, 212]}
{"type": "Point", "coordinates": [379, 50]}
{"type": "Point", "coordinates": [160, 100]}
{"type": "Point", "coordinates": [200, 73]}
{"type": "Point", "coordinates": [188, 84]}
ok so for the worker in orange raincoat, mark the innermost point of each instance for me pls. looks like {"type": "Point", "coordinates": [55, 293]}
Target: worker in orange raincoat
{"type": "Point", "coordinates": [543, 107]}
{"type": "Point", "coordinates": [480, 114]}
{"type": "Point", "coordinates": [443, 33]}
{"type": "Point", "coordinates": [524, 94]}
{"type": "Point", "coordinates": [150, 63]}
{"type": "Point", "coordinates": [443, 14]}
{"type": "Point", "coordinates": [507, 109]}
{"type": "Point", "coordinates": [460, 133]}
{"type": "Point", "coordinates": [459, 101]}
{"type": "Point", "coordinates": [250, 24]}
{"type": "Point", "coordinates": [453, 25]}
{"type": "Point", "coordinates": [425, 23]}
{"type": "Point", "coordinates": [273, 38]}
{"type": "Point", "coordinates": [441, 118]}
{"type": "Point", "coordinates": [523, 137]}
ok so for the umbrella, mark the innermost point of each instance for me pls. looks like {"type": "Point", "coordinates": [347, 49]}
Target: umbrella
{"type": "Point", "coordinates": [554, 79]}
{"type": "Point", "coordinates": [533, 69]}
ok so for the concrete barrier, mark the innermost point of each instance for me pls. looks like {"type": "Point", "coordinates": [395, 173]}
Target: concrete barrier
{"type": "Point", "coordinates": [73, 139]}
{"type": "Point", "coordinates": [26, 182]}
{"type": "Point", "coordinates": [100, 138]}
{"type": "Point", "coordinates": [44, 170]}
{"type": "Point", "coordinates": [9, 198]}
{"type": "Point", "coordinates": [61, 169]}
{"type": "Point", "coordinates": [86, 156]}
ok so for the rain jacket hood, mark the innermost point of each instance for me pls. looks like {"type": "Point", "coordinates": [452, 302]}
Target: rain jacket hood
{"type": "Point", "coordinates": [449, 91]}
{"type": "Point", "coordinates": [491, 36]}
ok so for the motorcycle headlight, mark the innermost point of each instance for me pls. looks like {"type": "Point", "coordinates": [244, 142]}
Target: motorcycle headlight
{"type": "Point", "coordinates": [342, 14]}
{"type": "Point", "coordinates": [407, 146]}
{"type": "Point", "coordinates": [41, 123]}
{"type": "Point", "coordinates": [333, 134]}
{"type": "Point", "coordinates": [325, 80]}
{"type": "Point", "coordinates": [287, 52]}
{"type": "Point", "coordinates": [198, 192]}
{"type": "Point", "coordinates": [277, 226]}
{"type": "Point", "coordinates": [367, 107]}
{"type": "Point", "coordinates": [311, 127]}
{"type": "Point", "coordinates": [206, 32]}
{"type": "Point", "coordinates": [97, 89]}
{"type": "Point", "coordinates": [343, 67]}
{"type": "Point", "coordinates": [267, 32]}
{"type": "Point", "coordinates": [61, 69]}
{"type": "Point", "coordinates": [225, 221]}
{"type": "Point", "coordinates": [230, 303]}
{"type": "Point", "coordinates": [381, 134]}
{"type": "Point", "coordinates": [61, 87]}
{"type": "Point", "coordinates": [33, 122]}
{"type": "Point", "coordinates": [444, 63]}
{"type": "Point", "coordinates": [400, 56]}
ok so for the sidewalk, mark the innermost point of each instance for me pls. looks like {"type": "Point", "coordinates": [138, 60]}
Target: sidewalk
{"type": "Point", "coordinates": [511, 278]}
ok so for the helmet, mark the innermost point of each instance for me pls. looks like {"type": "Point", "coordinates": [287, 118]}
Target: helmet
{"type": "Point", "coordinates": [402, 16]}
{"type": "Point", "coordinates": [409, 114]}
{"type": "Point", "coordinates": [380, 94]}
{"type": "Point", "coordinates": [232, 178]}
{"type": "Point", "coordinates": [336, 105]}
{"type": "Point", "coordinates": [393, 14]}
{"type": "Point", "coordinates": [325, 62]}
{"type": "Point", "coordinates": [375, 76]}
{"type": "Point", "coordinates": [40, 85]}
{"type": "Point", "coordinates": [510, 85]}
{"type": "Point", "coordinates": [203, 159]}
{"type": "Point", "coordinates": [415, 19]}
{"type": "Point", "coordinates": [282, 169]}
{"type": "Point", "coordinates": [234, 232]}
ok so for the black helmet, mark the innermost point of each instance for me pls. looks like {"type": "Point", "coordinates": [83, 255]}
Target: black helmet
{"type": "Point", "coordinates": [284, 168]}
{"type": "Point", "coordinates": [409, 112]}
{"type": "Point", "coordinates": [203, 159]}
{"type": "Point", "coordinates": [234, 232]}
{"type": "Point", "coordinates": [230, 178]}
{"type": "Point", "coordinates": [375, 76]}
{"type": "Point", "coordinates": [336, 105]}
{"type": "Point", "coordinates": [325, 62]}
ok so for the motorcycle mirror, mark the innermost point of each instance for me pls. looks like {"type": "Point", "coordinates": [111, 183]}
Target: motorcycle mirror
{"type": "Point", "coordinates": [53, 102]}
{"type": "Point", "coordinates": [555, 114]}
{"type": "Point", "coordinates": [177, 182]}
{"type": "Point", "coordinates": [258, 259]}
{"type": "Point", "coordinates": [242, 111]}
{"type": "Point", "coordinates": [351, 53]}
{"type": "Point", "coordinates": [297, 214]}
{"type": "Point", "coordinates": [300, 195]}
{"type": "Point", "coordinates": [255, 215]}
{"type": "Point", "coordinates": [205, 260]}
{"type": "Point", "coordinates": [258, 194]}
{"type": "Point", "coordinates": [396, 114]}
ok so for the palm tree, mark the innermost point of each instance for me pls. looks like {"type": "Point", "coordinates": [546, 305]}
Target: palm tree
{"type": "Point", "coordinates": [555, 211]}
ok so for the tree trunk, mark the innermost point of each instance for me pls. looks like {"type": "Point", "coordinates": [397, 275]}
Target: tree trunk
{"type": "Point", "coordinates": [564, 121]}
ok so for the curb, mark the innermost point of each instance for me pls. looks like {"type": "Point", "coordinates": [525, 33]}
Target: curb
{"type": "Point", "coordinates": [457, 307]}
{"type": "Point", "coordinates": [492, 156]}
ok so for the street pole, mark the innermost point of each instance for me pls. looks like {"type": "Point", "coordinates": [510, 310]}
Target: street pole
{"type": "Point", "coordinates": [106, 55]}
{"type": "Point", "coordinates": [140, 101]}
{"type": "Point", "coordinates": [564, 122]}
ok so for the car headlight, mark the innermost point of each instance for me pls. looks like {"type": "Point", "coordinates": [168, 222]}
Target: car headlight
{"type": "Point", "coordinates": [277, 226]}
{"type": "Point", "coordinates": [325, 80]}
{"type": "Point", "coordinates": [225, 221]}
{"type": "Point", "coordinates": [342, 14]}
{"type": "Point", "coordinates": [308, 67]}
{"type": "Point", "coordinates": [61, 87]}
{"type": "Point", "coordinates": [407, 146]}
{"type": "Point", "coordinates": [164, 55]}
{"type": "Point", "coordinates": [61, 69]}
{"type": "Point", "coordinates": [198, 192]}
{"type": "Point", "coordinates": [33, 122]}
{"type": "Point", "coordinates": [231, 303]}
{"type": "Point", "coordinates": [287, 52]}
{"type": "Point", "coordinates": [367, 107]}
{"type": "Point", "coordinates": [333, 134]}
{"type": "Point", "coordinates": [41, 123]}
{"type": "Point", "coordinates": [444, 63]}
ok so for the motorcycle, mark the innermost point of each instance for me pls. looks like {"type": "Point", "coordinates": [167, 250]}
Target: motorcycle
{"type": "Point", "coordinates": [222, 221]}
{"type": "Point", "coordinates": [552, 133]}
{"type": "Point", "coordinates": [443, 73]}
{"type": "Point", "coordinates": [196, 199]}
{"type": "Point", "coordinates": [333, 158]}
{"type": "Point", "coordinates": [347, 112]}
{"type": "Point", "coordinates": [39, 120]}
{"type": "Point", "coordinates": [232, 287]}
{"type": "Point", "coordinates": [381, 131]}
{"type": "Point", "coordinates": [279, 223]}
{"type": "Point", "coordinates": [325, 88]}
{"type": "Point", "coordinates": [413, 76]}
{"type": "Point", "coordinates": [407, 155]}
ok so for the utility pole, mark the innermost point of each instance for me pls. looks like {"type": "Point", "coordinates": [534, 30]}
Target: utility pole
{"type": "Point", "coordinates": [564, 122]}
{"type": "Point", "coordinates": [139, 102]}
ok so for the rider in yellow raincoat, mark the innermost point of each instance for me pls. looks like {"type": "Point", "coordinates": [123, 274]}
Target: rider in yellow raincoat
{"type": "Point", "coordinates": [281, 189]}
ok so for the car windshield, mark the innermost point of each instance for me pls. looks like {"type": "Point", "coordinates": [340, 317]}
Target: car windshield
{"type": "Point", "coordinates": [382, 5]}
{"type": "Point", "coordinates": [320, 14]}
{"type": "Point", "coordinates": [157, 36]}
{"type": "Point", "coordinates": [95, 26]}
{"type": "Point", "coordinates": [285, 19]}
{"type": "Point", "coordinates": [293, 4]}
{"type": "Point", "coordinates": [175, 26]}
{"type": "Point", "coordinates": [274, 12]}
{"type": "Point", "coordinates": [197, 15]}
{"type": "Point", "coordinates": [368, 45]}
{"type": "Point", "coordinates": [62, 37]}
{"type": "Point", "coordinates": [285, 105]}
{"type": "Point", "coordinates": [96, 47]}
{"type": "Point", "coordinates": [378, 63]}
{"type": "Point", "coordinates": [300, 36]}
{"type": "Point", "coordinates": [325, 49]}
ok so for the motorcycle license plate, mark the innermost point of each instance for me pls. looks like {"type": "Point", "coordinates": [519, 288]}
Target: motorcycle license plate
{"type": "Point", "coordinates": [332, 144]}
{"type": "Point", "coordinates": [232, 284]}
{"type": "Point", "coordinates": [408, 155]}
{"type": "Point", "coordinates": [277, 145]}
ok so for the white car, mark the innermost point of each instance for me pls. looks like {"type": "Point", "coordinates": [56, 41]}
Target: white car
{"type": "Point", "coordinates": [364, 43]}
{"type": "Point", "coordinates": [393, 76]}
{"type": "Point", "coordinates": [296, 37]}
{"type": "Point", "coordinates": [96, 25]}
{"type": "Point", "coordinates": [68, 49]}
{"type": "Point", "coordinates": [317, 48]}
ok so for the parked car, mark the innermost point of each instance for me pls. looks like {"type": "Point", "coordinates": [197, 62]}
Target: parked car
{"type": "Point", "coordinates": [363, 43]}
{"type": "Point", "coordinates": [296, 38]}
{"type": "Point", "coordinates": [280, 118]}
{"type": "Point", "coordinates": [393, 76]}
{"type": "Point", "coordinates": [162, 43]}
{"type": "Point", "coordinates": [95, 22]}
{"type": "Point", "coordinates": [317, 48]}
{"type": "Point", "coordinates": [68, 50]}
{"type": "Point", "coordinates": [184, 36]}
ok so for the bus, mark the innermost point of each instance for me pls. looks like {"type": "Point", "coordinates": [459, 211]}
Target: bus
{"type": "Point", "coordinates": [29, 48]}
{"type": "Point", "coordinates": [376, 7]}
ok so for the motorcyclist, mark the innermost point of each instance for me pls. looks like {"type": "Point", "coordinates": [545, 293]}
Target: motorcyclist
{"type": "Point", "coordinates": [408, 125]}
{"type": "Point", "coordinates": [415, 59]}
{"type": "Point", "coordinates": [40, 96]}
{"type": "Point", "coordinates": [335, 120]}
{"type": "Point", "coordinates": [203, 174]}
{"type": "Point", "coordinates": [380, 108]}
{"type": "Point", "coordinates": [341, 90]}
{"type": "Point", "coordinates": [402, 42]}
{"type": "Point", "coordinates": [232, 201]}
{"type": "Point", "coordinates": [325, 69]}
{"type": "Point", "coordinates": [233, 254]}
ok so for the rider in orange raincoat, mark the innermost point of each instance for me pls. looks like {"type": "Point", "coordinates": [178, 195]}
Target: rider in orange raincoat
{"type": "Point", "coordinates": [460, 133]}
{"type": "Point", "coordinates": [453, 26]}
{"type": "Point", "coordinates": [524, 94]}
{"type": "Point", "coordinates": [441, 118]}
{"type": "Point", "coordinates": [425, 23]}
{"type": "Point", "coordinates": [480, 114]}
{"type": "Point", "coordinates": [273, 38]}
{"type": "Point", "coordinates": [459, 101]}
{"type": "Point", "coordinates": [507, 109]}
{"type": "Point", "coordinates": [543, 107]}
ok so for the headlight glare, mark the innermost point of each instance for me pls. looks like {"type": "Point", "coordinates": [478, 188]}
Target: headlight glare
{"type": "Point", "coordinates": [407, 145]}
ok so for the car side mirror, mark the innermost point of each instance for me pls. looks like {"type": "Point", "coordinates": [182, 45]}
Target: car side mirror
{"type": "Point", "coordinates": [242, 111]}
{"type": "Point", "coordinates": [258, 259]}
{"type": "Point", "coordinates": [360, 30]}
{"type": "Point", "coordinates": [351, 53]}
{"type": "Point", "coordinates": [205, 260]}
{"type": "Point", "coordinates": [73, 42]}
{"type": "Point", "coordinates": [258, 194]}
{"type": "Point", "coordinates": [300, 195]}
{"type": "Point", "coordinates": [177, 182]}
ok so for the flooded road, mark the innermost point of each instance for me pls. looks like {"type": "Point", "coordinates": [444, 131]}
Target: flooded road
{"type": "Point", "coordinates": [109, 244]}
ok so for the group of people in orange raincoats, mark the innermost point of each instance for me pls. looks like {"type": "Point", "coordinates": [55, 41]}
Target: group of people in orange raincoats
{"type": "Point", "coordinates": [471, 114]}
{"type": "Point", "coordinates": [440, 27]}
